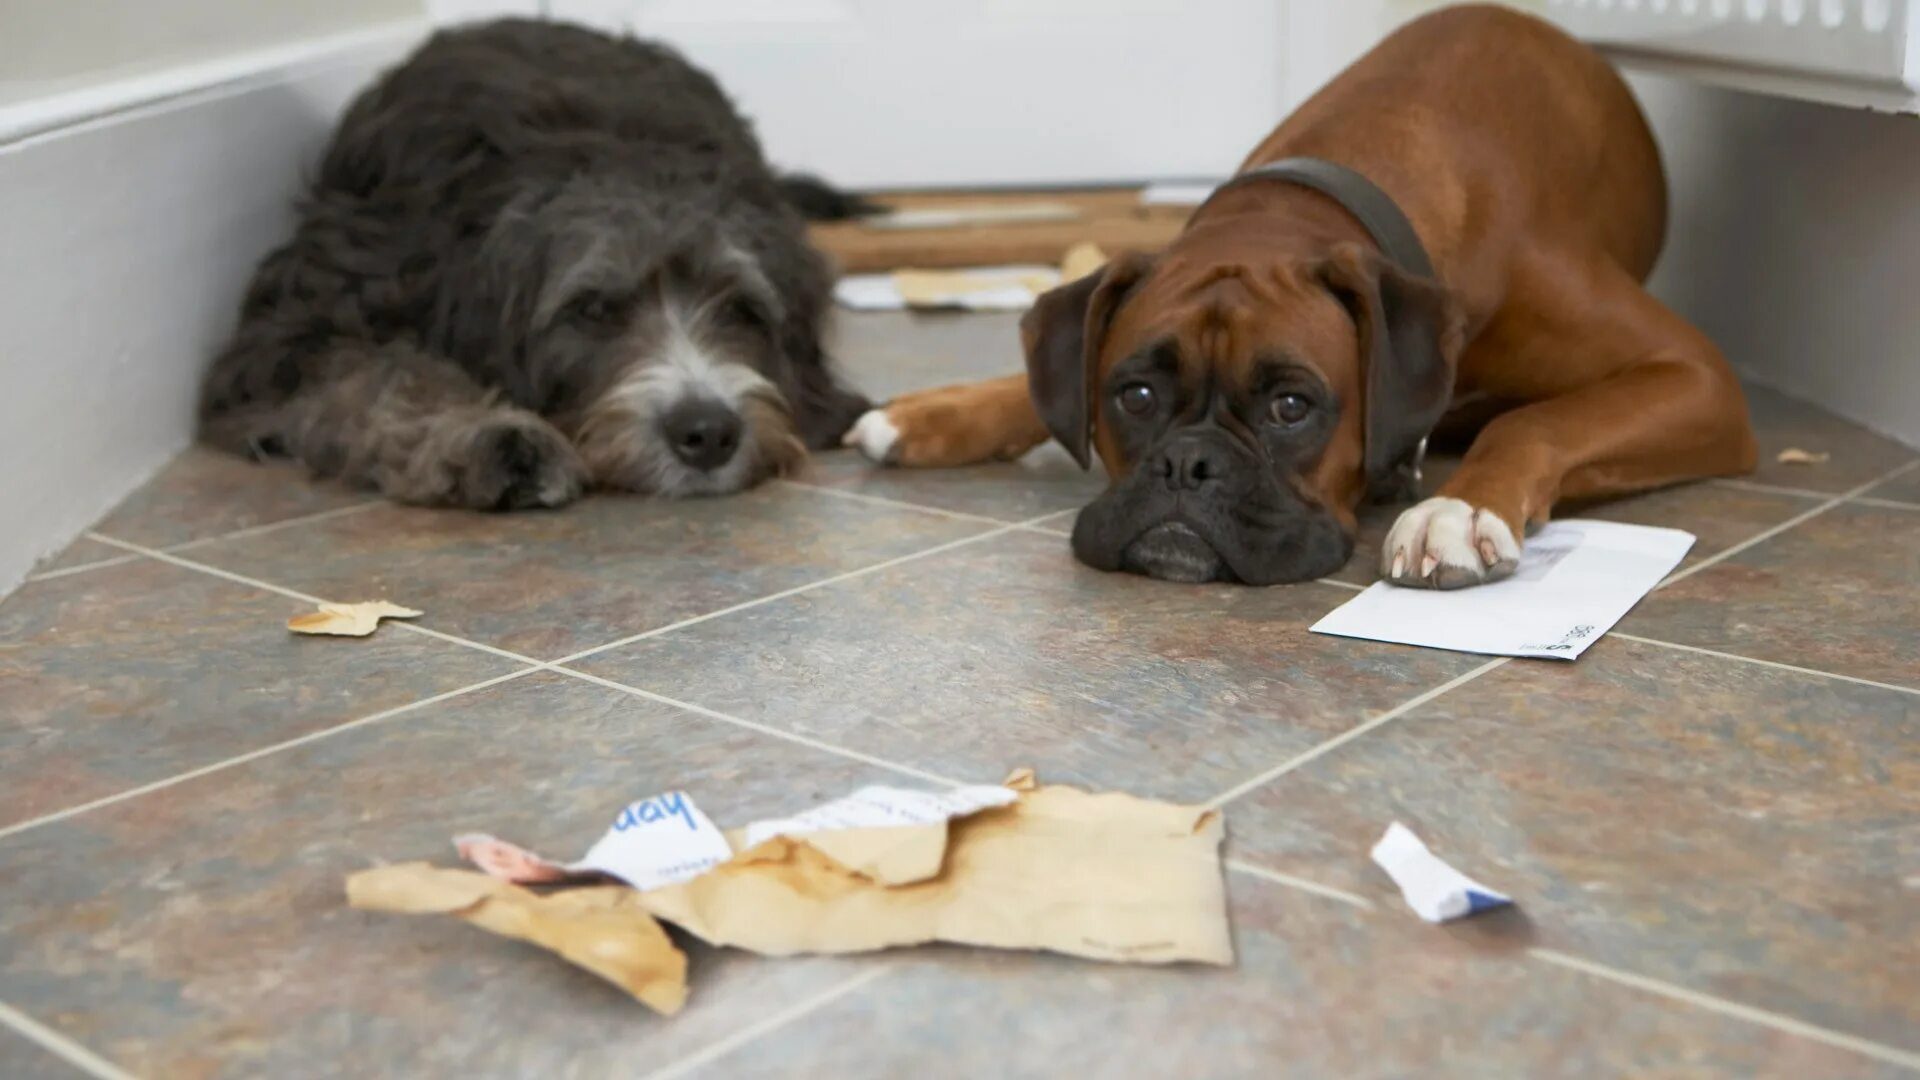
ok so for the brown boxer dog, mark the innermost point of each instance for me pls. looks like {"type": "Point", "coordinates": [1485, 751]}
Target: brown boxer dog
{"type": "Point", "coordinates": [1289, 353]}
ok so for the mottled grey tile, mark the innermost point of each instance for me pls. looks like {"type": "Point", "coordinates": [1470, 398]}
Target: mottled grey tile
{"type": "Point", "coordinates": [1855, 454]}
{"type": "Point", "coordinates": [549, 584]}
{"type": "Point", "coordinates": [1008, 652]}
{"type": "Point", "coordinates": [1739, 830]}
{"type": "Point", "coordinates": [1839, 592]}
{"type": "Point", "coordinates": [202, 930]}
{"type": "Point", "coordinates": [130, 674]}
{"type": "Point", "coordinates": [24, 1060]}
{"type": "Point", "coordinates": [1719, 516]}
{"type": "Point", "coordinates": [205, 493]}
{"type": "Point", "coordinates": [1904, 488]}
{"type": "Point", "coordinates": [82, 552]}
{"type": "Point", "coordinates": [1319, 990]}
{"type": "Point", "coordinates": [887, 354]}
{"type": "Point", "coordinates": [1044, 481]}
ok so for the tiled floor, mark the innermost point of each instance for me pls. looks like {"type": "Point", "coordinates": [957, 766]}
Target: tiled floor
{"type": "Point", "coordinates": [1712, 821]}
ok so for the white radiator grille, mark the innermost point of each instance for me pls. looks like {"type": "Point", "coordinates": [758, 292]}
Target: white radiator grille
{"type": "Point", "coordinates": [1863, 43]}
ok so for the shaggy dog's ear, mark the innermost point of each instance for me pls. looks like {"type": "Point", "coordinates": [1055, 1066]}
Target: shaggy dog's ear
{"type": "Point", "coordinates": [492, 283]}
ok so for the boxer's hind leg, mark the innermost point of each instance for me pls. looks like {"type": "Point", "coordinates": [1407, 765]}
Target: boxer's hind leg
{"type": "Point", "coordinates": [1623, 395]}
{"type": "Point", "coordinates": [952, 425]}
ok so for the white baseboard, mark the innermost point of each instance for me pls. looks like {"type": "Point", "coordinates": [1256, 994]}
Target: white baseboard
{"type": "Point", "coordinates": [131, 225]}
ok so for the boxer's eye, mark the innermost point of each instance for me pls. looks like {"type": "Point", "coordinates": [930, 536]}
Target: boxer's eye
{"type": "Point", "coordinates": [1136, 399]}
{"type": "Point", "coordinates": [1290, 409]}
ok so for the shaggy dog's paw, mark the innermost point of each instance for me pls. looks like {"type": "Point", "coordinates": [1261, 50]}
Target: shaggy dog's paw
{"type": "Point", "coordinates": [1445, 543]}
{"type": "Point", "coordinates": [517, 463]}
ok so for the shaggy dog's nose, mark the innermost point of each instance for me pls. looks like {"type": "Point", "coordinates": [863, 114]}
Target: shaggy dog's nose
{"type": "Point", "coordinates": [703, 434]}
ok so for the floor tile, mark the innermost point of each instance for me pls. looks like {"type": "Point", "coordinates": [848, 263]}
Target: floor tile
{"type": "Point", "coordinates": [1738, 830]}
{"type": "Point", "coordinates": [201, 930]}
{"type": "Point", "coordinates": [81, 552]}
{"type": "Point", "coordinates": [130, 674]}
{"type": "Point", "coordinates": [1904, 488]}
{"type": "Point", "coordinates": [1855, 455]}
{"type": "Point", "coordinates": [21, 1059]}
{"type": "Point", "coordinates": [549, 584]}
{"type": "Point", "coordinates": [886, 354]}
{"type": "Point", "coordinates": [1044, 481]}
{"type": "Point", "coordinates": [1835, 593]}
{"type": "Point", "coordinates": [1007, 652]}
{"type": "Point", "coordinates": [205, 493]}
{"type": "Point", "coordinates": [1719, 516]}
{"type": "Point", "coordinates": [1319, 990]}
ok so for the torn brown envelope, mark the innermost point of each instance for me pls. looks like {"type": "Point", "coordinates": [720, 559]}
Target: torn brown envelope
{"type": "Point", "coordinates": [940, 288]}
{"type": "Point", "coordinates": [897, 855]}
{"type": "Point", "coordinates": [601, 928]}
{"type": "Point", "coordinates": [1109, 877]}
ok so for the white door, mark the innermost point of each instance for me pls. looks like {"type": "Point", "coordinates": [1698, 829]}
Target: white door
{"type": "Point", "coordinates": [941, 93]}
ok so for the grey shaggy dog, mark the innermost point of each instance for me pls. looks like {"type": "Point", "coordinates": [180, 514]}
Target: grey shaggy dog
{"type": "Point", "coordinates": [538, 259]}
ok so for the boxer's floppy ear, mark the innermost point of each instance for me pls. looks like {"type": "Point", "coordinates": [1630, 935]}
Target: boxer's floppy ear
{"type": "Point", "coordinates": [1062, 334]}
{"type": "Point", "coordinates": [1411, 331]}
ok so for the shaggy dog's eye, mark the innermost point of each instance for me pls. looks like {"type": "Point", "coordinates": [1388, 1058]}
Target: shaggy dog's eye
{"type": "Point", "coordinates": [1136, 399]}
{"type": "Point", "coordinates": [1290, 409]}
{"type": "Point", "coordinates": [597, 309]}
{"type": "Point", "coordinates": [741, 311]}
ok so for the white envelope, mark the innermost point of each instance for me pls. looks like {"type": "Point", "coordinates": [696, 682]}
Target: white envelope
{"type": "Point", "coordinates": [1575, 580]}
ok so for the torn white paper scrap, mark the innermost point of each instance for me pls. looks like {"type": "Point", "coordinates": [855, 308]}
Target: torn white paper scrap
{"type": "Point", "coordinates": [1575, 580]}
{"type": "Point", "coordinates": [993, 288]}
{"type": "Point", "coordinates": [1435, 891]}
{"type": "Point", "coordinates": [1177, 194]}
{"type": "Point", "coordinates": [879, 807]}
{"type": "Point", "coordinates": [658, 841]}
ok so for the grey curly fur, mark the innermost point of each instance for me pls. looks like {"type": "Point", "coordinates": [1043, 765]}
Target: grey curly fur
{"type": "Point", "coordinates": [523, 246]}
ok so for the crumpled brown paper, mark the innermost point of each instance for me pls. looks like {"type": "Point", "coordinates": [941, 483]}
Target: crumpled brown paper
{"type": "Point", "coordinates": [601, 927]}
{"type": "Point", "coordinates": [1104, 876]}
{"type": "Point", "coordinates": [1107, 876]}
{"type": "Point", "coordinates": [349, 620]}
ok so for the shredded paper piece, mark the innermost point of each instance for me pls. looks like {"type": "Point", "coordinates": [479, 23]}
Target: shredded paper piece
{"type": "Point", "coordinates": [1435, 891]}
{"type": "Point", "coordinates": [1793, 455]}
{"type": "Point", "coordinates": [1017, 866]}
{"type": "Point", "coordinates": [349, 620]}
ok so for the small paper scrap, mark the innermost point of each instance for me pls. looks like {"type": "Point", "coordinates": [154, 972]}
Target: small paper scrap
{"type": "Point", "coordinates": [1080, 260]}
{"type": "Point", "coordinates": [1435, 891]}
{"type": "Point", "coordinates": [349, 620]}
{"type": "Point", "coordinates": [993, 288]}
{"type": "Point", "coordinates": [602, 929]}
{"type": "Point", "coordinates": [1575, 580]}
{"type": "Point", "coordinates": [1793, 455]}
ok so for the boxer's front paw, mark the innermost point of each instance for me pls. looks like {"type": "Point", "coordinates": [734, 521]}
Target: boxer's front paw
{"type": "Point", "coordinates": [943, 428]}
{"type": "Point", "coordinates": [1445, 543]}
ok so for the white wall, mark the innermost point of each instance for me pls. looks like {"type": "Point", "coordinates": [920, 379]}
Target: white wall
{"type": "Point", "coordinates": [1795, 243]}
{"type": "Point", "coordinates": [128, 238]}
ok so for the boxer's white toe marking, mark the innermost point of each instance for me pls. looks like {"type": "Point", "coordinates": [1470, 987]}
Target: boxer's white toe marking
{"type": "Point", "coordinates": [874, 435]}
{"type": "Point", "coordinates": [1445, 543]}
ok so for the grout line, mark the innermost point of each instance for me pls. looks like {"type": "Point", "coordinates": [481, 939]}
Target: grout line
{"type": "Point", "coordinates": [1886, 504]}
{"type": "Point", "coordinates": [1047, 531]}
{"type": "Point", "coordinates": [60, 1046]}
{"type": "Point", "coordinates": [167, 556]}
{"type": "Point", "coordinates": [252, 755]}
{"type": "Point", "coordinates": [1762, 1017]}
{"type": "Point", "coordinates": [1338, 584]}
{"type": "Point", "coordinates": [714, 1051]}
{"type": "Point", "coordinates": [1768, 534]}
{"type": "Point", "coordinates": [1002, 529]}
{"type": "Point", "coordinates": [1767, 489]}
{"type": "Point", "coordinates": [1796, 669]}
{"type": "Point", "coordinates": [275, 526]}
{"type": "Point", "coordinates": [236, 534]}
{"type": "Point", "coordinates": [756, 726]}
{"type": "Point", "coordinates": [98, 564]}
{"type": "Point", "coordinates": [897, 504]}
{"type": "Point", "coordinates": [189, 564]}
{"type": "Point", "coordinates": [1351, 734]}
{"type": "Point", "coordinates": [1302, 884]}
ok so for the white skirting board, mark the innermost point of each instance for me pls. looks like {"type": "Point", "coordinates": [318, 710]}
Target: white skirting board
{"type": "Point", "coordinates": [129, 237]}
